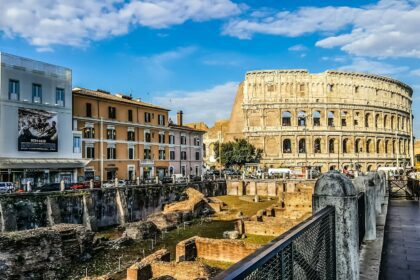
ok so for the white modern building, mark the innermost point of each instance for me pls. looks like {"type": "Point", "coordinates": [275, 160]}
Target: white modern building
{"type": "Point", "coordinates": [37, 141]}
{"type": "Point", "coordinates": [185, 149]}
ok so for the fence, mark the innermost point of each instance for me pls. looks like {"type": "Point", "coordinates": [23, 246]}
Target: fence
{"type": "Point", "coordinates": [361, 216]}
{"type": "Point", "coordinates": [307, 251]}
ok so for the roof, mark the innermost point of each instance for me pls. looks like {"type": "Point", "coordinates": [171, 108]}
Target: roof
{"type": "Point", "coordinates": [183, 127]}
{"type": "Point", "coordinates": [112, 97]}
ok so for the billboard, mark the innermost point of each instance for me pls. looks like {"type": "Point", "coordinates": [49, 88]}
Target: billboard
{"type": "Point", "coordinates": [38, 131]}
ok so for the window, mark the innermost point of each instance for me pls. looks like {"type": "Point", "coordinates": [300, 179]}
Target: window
{"type": "Point", "coordinates": [171, 139]}
{"type": "Point", "coordinates": [112, 112]}
{"type": "Point", "coordinates": [89, 132]}
{"type": "Point", "coordinates": [147, 137]}
{"type": "Point", "coordinates": [183, 155]}
{"type": "Point", "coordinates": [172, 155]}
{"type": "Point", "coordinates": [88, 110]}
{"type": "Point", "coordinates": [183, 168]}
{"type": "Point", "coordinates": [183, 140]}
{"type": "Point", "coordinates": [287, 146]}
{"type": "Point", "coordinates": [302, 119]}
{"type": "Point", "coordinates": [343, 118]}
{"type": "Point", "coordinates": [131, 135]}
{"type": "Point", "coordinates": [377, 121]}
{"type": "Point", "coordinates": [76, 144]}
{"type": "Point", "coordinates": [330, 118]}
{"type": "Point", "coordinates": [111, 134]}
{"type": "Point", "coordinates": [286, 119]}
{"type": "Point", "coordinates": [302, 146]}
{"type": "Point", "coordinates": [147, 117]}
{"type": "Point", "coordinates": [316, 118]}
{"type": "Point", "coordinates": [345, 144]}
{"type": "Point", "coordinates": [197, 155]}
{"type": "Point", "coordinates": [357, 147]}
{"type": "Point", "coordinates": [14, 90]}
{"type": "Point", "coordinates": [356, 89]}
{"type": "Point", "coordinates": [196, 141]}
{"type": "Point", "coordinates": [36, 93]}
{"type": "Point", "coordinates": [368, 146]}
{"type": "Point", "coordinates": [59, 97]}
{"type": "Point", "coordinates": [317, 146]}
{"type": "Point", "coordinates": [331, 144]}
{"type": "Point", "coordinates": [130, 115]}
{"type": "Point", "coordinates": [330, 88]}
{"type": "Point", "coordinates": [111, 152]}
{"type": "Point", "coordinates": [161, 138]}
{"type": "Point", "coordinates": [367, 120]}
{"type": "Point", "coordinates": [161, 119]}
{"type": "Point", "coordinates": [378, 146]}
{"type": "Point", "coordinates": [130, 152]}
{"type": "Point", "coordinates": [147, 153]}
{"type": "Point", "coordinates": [90, 152]}
{"type": "Point", "coordinates": [162, 154]}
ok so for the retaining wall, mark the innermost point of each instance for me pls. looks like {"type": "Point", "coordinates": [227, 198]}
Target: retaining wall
{"type": "Point", "coordinates": [93, 208]}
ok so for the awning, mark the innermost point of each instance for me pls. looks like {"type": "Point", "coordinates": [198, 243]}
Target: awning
{"type": "Point", "coordinates": [46, 163]}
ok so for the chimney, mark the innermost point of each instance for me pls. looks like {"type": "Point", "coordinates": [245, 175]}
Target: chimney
{"type": "Point", "coordinates": [179, 117]}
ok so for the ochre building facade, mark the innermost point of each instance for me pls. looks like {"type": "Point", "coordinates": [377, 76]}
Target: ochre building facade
{"type": "Point", "coordinates": [125, 138]}
{"type": "Point", "coordinates": [329, 120]}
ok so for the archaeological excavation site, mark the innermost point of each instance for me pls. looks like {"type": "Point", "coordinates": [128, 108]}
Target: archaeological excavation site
{"type": "Point", "coordinates": [183, 231]}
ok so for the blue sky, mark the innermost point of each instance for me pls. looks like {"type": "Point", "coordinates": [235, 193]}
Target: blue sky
{"type": "Point", "coordinates": [191, 54]}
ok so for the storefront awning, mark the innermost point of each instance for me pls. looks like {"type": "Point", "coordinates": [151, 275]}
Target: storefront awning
{"type": "Point", "coordinates": [47, 163]}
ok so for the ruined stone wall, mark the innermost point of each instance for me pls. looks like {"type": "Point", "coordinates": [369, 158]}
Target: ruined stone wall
{"type": "Point", "coordinates": [224, 250]}
{"type": "Point", "coordinates": [267, 187]}
{"type": "Point", "coordinates": [93, 208]}
{"type": "Point", "coordinates": [42, 253]}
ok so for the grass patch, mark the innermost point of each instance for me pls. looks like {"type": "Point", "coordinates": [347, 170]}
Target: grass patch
{"type": "Point", "coordinates": [235, 204]}
{"type": "Point", "coordinates": [258, 239]}
{"type": "Point", "coordinates": [218, 264]}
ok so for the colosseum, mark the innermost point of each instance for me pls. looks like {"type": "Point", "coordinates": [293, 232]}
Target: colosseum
{"type": "Point", "coordinates": [330, 120]}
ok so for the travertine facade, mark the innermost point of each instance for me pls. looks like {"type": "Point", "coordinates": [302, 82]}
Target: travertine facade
{"type": "Point", "coordinates": [329, 120]}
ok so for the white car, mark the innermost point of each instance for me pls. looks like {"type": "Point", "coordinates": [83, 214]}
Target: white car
{"type": "Point", "coordinates": [6, 187]}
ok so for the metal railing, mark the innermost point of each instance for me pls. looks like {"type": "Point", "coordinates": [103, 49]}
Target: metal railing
{"type": "Point", "coordinates": [361, 216]}
{"type": "Point", "coordinates": [307, 251]}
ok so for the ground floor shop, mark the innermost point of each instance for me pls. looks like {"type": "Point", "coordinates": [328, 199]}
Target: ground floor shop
{"type": "Point", "coordinates": [123, 170]}
{"type": "Point", "coordinates": [39, 171]}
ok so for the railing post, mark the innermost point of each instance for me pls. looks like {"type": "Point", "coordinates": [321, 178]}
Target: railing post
{"type": "Point", "coordinates": [334, 189]}
{"type": "Point", "coordinates": [384, 181]}
{"type": "Point", "coordinates": [363, 184]}
{"type": "Point", "coordinates": [376, 180]}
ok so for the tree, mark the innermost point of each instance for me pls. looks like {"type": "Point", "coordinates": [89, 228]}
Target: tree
{"type": "Point", "coordinates": [237, 153]}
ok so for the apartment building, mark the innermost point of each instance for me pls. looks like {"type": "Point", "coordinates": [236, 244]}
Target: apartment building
{"type": "Point", "coordinates": [124, 137]}
{"type": "Point", "coordinates": [185, 148]}
{"type": "Point", "coordinates": [37, 140]}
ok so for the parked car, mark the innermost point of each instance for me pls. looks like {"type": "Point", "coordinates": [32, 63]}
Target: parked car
{"type": "Point", "coordinates": [194, 178]}
{"type": "Point", "coordinates": [50, 187]}
{"type": "Point", "coordinates": [166, 180]}
{"type": "Point", "coordinates": [85, 185]}
{"type": "Point", "coordinates": [6, 187]}
{"type": "Point", "coordinates": [111, 184]}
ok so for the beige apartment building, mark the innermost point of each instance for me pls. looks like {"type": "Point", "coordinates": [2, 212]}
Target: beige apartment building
{"type": "Point", "coordinates": [330, 120]}
{"type": "Point", "coordinates": [126, 138]}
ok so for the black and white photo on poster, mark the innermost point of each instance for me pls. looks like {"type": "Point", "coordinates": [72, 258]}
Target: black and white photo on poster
{"type": "Point", "coordinates": [38, 131]}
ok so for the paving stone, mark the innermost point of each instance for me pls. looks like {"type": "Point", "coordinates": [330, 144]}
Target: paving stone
{"type": "Point", "coordinates": [401, 249]}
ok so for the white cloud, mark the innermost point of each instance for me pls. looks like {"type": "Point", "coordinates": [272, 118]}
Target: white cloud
{"type": "Point", "coordinates": [67, 22]}
{"type": "Point", "coordinates": [206, 105]}
{"type": "Point", "coordinates": [386, 29]}
{"type": "Point", "coordinates": [298, 48]}
{"type": "Point", "coordinates": [415, 72]}
{"type": "Point", "coordinates": [157, 65]}
{"type": "Point", "coordinates": [374, 67]}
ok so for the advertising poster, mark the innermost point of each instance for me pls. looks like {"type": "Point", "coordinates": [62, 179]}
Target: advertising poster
{"type": "Point", "coordinates": [38, 131]}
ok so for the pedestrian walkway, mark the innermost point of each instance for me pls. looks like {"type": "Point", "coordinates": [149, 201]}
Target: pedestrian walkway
{"type": "Point", "coordinates": [401, 249]}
